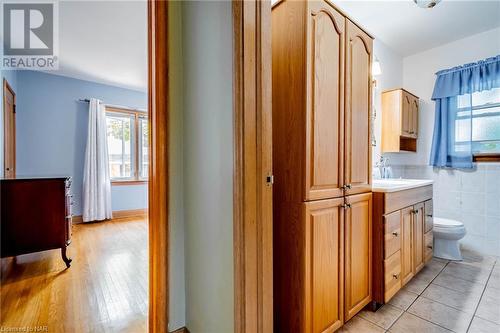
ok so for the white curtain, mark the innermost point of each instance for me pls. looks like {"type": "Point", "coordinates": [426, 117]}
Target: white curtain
{"type": "Point", "coordinates": [96, 181]}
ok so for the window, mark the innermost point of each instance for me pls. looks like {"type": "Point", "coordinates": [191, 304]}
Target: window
{"type": "Point", "coordinates": [127, 145]}
{"type": "Point", "coordinates": [485, 126]}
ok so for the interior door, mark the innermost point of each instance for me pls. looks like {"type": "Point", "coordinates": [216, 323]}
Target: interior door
{"type": "Point", "coordinates": [418, 237]}
{"type": "Point", "coordinates": [406, 246]}
{"type": "Point", "coordinates": [357, 110]}
{"type": "Point", "coordinates": [324, 265]}
{"type": "Point", "coordinates": [406, 118]}
{"type": "Point", "coordinates": [358, 253]}
{"type": "Point", "coordinates": [9, 117]}
{"type": "Point", "coordinates": [324, 152]}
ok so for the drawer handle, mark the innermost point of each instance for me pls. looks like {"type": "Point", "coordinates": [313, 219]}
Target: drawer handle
{"type": "Point", "coordinates": [395, 276]}
{"type": "Point", "coordinates": [429, 215]}
{"type": "Point", "coordinates": [429, 247]}
{"type": "Point", "coordinates": [346, 206]}
{"type": "Point", "coordinates": [395, 234]}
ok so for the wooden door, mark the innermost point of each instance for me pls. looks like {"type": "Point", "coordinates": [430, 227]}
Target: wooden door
{"type": "Point", "coordinates": [358, 253]}
{"type": "Point", "coordinates": [414, 114]}
{"type": "Point", "coordinates": [9, 117]}
{"type": "Point", "coordinates": [418, 237]}
{"type": "Point", "coordinates": [406, 118]}
{"type": "Point", "coordinates": [324, 265]}
{"type": "Point", "coordinates": [324, 137]}
{"type": "Point", "coordinates": [357, 110]}
{"type": "Point", "coordinates": [406, 246]}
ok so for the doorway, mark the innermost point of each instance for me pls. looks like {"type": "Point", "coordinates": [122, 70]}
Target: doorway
{"type": "Point", "coordinates": [9, 116]}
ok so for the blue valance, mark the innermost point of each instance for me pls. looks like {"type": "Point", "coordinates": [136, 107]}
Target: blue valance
{"type": "Point", "coordinates": [452, 139]}
{"type": "Point", "coordinates": [467, 79]}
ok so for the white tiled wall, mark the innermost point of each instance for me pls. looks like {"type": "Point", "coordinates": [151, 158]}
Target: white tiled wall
{"type": "Point", "coordinates": [472, 197]}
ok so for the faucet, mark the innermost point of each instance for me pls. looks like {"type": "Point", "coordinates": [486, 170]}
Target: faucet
{"type": "Point", "coordinates": [385, 171]}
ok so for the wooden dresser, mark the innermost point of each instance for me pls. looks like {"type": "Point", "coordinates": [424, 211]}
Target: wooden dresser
{"type": "Point", "coordinates": [322, 167]}
{"type": "Point", "coordinates": [35, 215]}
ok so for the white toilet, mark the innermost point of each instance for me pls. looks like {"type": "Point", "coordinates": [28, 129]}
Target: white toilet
{"type": "Point", "coordinates": [447, 233]}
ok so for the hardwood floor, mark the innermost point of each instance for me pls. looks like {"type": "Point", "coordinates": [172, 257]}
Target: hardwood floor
{"type": "Point", "coordinates": [104, 290]}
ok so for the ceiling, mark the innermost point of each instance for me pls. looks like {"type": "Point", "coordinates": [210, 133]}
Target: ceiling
{"type": "Point", "coordinates": [104, 41]}
{"type": "Point", "coordinates": [408, 29]}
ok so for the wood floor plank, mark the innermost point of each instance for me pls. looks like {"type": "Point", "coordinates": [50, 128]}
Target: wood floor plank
{"type": "Point", "coordinates": [104, 290]}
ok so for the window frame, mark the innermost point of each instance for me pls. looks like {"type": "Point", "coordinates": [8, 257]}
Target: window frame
{"type": "Point", "coordinates": [136, 179]}
{"type": "Point", "coordinates": [482, 156]}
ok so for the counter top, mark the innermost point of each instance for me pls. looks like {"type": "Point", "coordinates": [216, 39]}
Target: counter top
{"type": "Point", "coordinates": [394, 185]}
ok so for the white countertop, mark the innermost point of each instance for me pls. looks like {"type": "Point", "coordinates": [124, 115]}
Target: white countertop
{"type": "Point", "coordinates": [393, 185]}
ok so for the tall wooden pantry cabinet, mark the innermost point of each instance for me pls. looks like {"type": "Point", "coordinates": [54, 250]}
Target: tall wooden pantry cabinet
{"type": "Point", "coordinates": [322, 167]}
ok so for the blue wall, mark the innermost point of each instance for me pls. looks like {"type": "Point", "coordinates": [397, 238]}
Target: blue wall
{"type": "Point", "coordinates": [51, 130]}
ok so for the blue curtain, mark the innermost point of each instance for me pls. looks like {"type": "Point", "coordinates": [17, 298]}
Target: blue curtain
{"type": "Point", "coordinates": [452, 93]}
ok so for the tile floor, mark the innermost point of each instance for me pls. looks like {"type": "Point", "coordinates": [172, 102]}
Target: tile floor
{"type": "Point", "coordinates": [462, 297]}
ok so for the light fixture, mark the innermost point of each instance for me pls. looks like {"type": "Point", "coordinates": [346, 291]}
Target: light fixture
{"type": "Point", "coordinates": [376, 69]}
{"type": "Point", "coordinates": [426, 3]}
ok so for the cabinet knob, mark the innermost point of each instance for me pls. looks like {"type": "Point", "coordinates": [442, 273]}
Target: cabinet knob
{"type": "Point", "coordinates": [429, 247]}
{"type": "Point", "coordinates": [395, 234]}
{"type": "Point", "coordinates": [395, 276]}
{"type": "Point", "coordinates": [346, 205]}
{"type": "Point", "coordinates": [347, 187]}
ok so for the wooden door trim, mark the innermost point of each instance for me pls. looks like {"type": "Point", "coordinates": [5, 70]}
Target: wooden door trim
{"type": "Point", "coordinates": [8, 87]}
{"type": "Point", "coordinates": [253, 267]}
{"type": "Point", "coordinates": [158, 165]}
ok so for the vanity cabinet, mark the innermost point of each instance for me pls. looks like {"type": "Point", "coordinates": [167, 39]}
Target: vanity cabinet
{"type": "Point", "coordinates": [399, 121]}
{"type": "Point", "coordinates": [402, 239]}
{"type": "Point", "coordinates": [322, 201]}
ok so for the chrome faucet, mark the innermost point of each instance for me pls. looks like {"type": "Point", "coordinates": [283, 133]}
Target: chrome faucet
{"type": "Point", "coordinates": [385, 171]}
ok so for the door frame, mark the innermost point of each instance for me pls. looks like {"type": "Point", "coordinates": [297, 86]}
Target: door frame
{"type": "Point", "coordinates": [252, 199]}
{"type": "Point", "coordinates": [158, 184]}
{"type": "Point", "coordinates": [8, 87]}
{"type": "Point", "coordinates": [252, 193]}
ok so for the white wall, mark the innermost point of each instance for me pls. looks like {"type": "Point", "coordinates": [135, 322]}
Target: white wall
{"type": "Point", "coordinates": [208, 165]}
{"type": "Point", "coordinates": [470, 196]}
{"type": "Point", "coordinates": [391, 64]}
{"type": "Point", "coordinates": [177, 286]}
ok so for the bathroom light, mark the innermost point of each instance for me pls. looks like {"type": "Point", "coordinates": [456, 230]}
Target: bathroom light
{"type": "Point", "coordinates": [376, 69]}
{"type": "Point", "coordinates": [426, 3]}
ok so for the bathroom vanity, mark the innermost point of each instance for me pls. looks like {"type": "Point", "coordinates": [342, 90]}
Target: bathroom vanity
{"type": "Point", "coordinates": [402, 234]}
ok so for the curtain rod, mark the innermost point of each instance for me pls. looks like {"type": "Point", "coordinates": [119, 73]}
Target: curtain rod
{"type": "Point", "coordinates": [86, 100]}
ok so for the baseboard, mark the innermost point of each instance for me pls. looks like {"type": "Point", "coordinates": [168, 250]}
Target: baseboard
{"type": "Point", "coordinates": [181, 330]}
{"type": "Point", "coordinates": [119, 214]}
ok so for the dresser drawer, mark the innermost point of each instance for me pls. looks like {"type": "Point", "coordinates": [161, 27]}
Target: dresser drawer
{"type": "Point", "coordinates": [392, 269]}
{"type": "Point", "coordinates": [428, 245]}
{"type": "Point", "coordinates": [392, 234]}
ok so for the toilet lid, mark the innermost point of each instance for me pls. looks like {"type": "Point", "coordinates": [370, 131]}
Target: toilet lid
{"type": "Point", "coordinates": [447, 223]}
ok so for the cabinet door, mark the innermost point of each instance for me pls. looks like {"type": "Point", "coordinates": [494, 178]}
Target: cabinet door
{"type": "Point", "coordinates": [406, 246]}
{"type": "Point", "coordinates": [418, 237]}
{"type": "Point", "coordinates": [406, 117]}
{"type": "Point", "coordinates": [358, 253]}
{"type": "Point", "coordinates": [414, 114]}
{"type": "Point", "coordinates": [358, 110]}
{"type": "Point", "coordinates": [324, 265]}
{"type": "Point", "coordinates": [429, 219]}
{"type": "Point", "coordinates": [325, 115]}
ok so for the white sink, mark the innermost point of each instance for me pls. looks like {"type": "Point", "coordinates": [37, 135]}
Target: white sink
{"type": "Point", "coordinates": [394, 184]}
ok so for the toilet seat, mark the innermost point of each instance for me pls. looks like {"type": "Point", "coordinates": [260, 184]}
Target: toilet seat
{"type": "Point", "coordinates": [446, 223]}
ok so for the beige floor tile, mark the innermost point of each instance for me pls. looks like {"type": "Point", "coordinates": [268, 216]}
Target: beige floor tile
{"type": "Point", "coordinates": [468, 272]}
{"type": "Point", "coordinates": [358, 325]}
{"type": "Point", "coordinates": [383, 317]}
{"type": "Point", "coordinates": [476, 258]}
{"type": "Point", "coordinates": [483, 326]}
{"type": "Point", "coordinates": [440, 314]}
{"type": "Point", "coordinates": [403, 299]}
{"type": "Point", "coordinates": [494, 280]}
{"type": "Point", "coordinates": [418, 283]}
{"type": "Point", "coordinates": [436, 265]}
{"type": "Point", "coordinates": [465, 301]}
{"type": "Point", "coordinates": [489, 306]}
{"type": "Point", "coordinates": [409, 323]}
{"type": "Point", "coordinates": [452, 282]}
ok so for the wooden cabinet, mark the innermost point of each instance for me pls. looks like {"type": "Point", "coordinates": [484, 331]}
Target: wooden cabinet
{"type": "Point", "coordinates": [322, 167]}
{"type": "Point", "coordinates": [35, 215]}
{"type": "Point", "coordinates": [402, 239]}
{"type": "Point", "coordinates": [399, 121]}
{"type": "Point", "coordinates": [357, 110]}
{"type": "Point", "coordinates": [358, 248]}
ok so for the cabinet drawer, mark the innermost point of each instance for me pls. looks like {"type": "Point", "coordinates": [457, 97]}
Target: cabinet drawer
{"type": "Point", "coordinates": [392, 234]}
{"type": "Point", "coordinates": [428, 215]}
{"type": "Point", "coordinates": [428, 245]}
{"type": "Point", "coordinates": [392, 269]}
